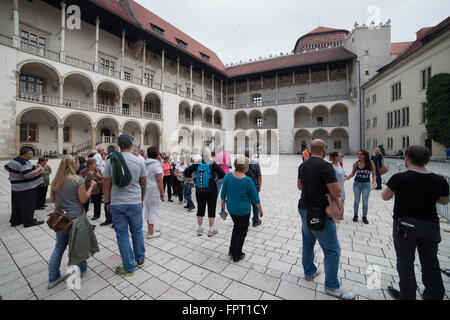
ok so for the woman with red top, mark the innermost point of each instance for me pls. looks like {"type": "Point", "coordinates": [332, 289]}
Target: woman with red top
{"type": "Point", "coordinates": [167, 177]}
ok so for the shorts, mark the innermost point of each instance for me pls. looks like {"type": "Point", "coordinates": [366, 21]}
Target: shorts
{"type": "Point", "coordinates": [151, 212]}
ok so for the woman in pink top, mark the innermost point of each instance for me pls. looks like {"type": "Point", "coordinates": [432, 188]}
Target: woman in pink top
{"type": "Point", "coordinates": [223, 159]}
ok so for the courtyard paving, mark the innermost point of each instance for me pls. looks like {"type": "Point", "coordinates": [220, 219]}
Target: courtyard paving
{"type": "Point", "coordinates": [181, 265]}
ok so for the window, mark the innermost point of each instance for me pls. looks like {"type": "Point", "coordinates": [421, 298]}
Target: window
{"type": "Point", "coordinates": [368, 124]}
{"type": "Point", "coordinates": [374, 99]}
{"type": "Point", "coordinates": [148, 78]}
{"type": "Point", "coordinates": [337, 145]}
{"type": "Point", "coordinates": [407, 116]}
{"type": "Point", "coordinates": [300, 98]}
{"type": "Point", "coordinates": [374, 122]}
{"type": "Point", "coordinates": [389, 122]}
{"type": "Point", "coordinates": [148, 106]}
{"type": "Point", "coordinates": [366, 52]}
{"type": "Point", "coordinates": [396, 91]}
{"type": "Point", "coordinates": [209, 96]}
{"type": "Point", "coordinates": [424, 112]}
{"type": "Point", "coordinates": [127, 76]}
{"type": "Point", "coordinates": [403, 117]}
{"type": "Point", "coordinates": [107, 66]}
{"type": "Point", "coordinates": [204, 56]}
{"type": "Point", "coordinates": [257, 100]}
{"type": "Point", "coordinates": [29, 132]}
{"type": "Point", "coordinates": [157, 29]}
{"type": "Point", "coordinates": [259, 123]}
{"type": "Point", "coordinates": [375, 143]}
{"type": "Point", "coordinates": [368, 144]}
{"type": "Point", "coordinates": [106, 98]}
{"type": "Point", "coordinates": [398, 119]}
{"type": "Point", "coordinates": [232, 101]}
{"type": "Point", "coordinates": [182, 44]}
{"type": "Point", "coordinates": [367, 72]}
{"type": "Point", "coordinates": [405, 142]}
{"type": "Point", "coordinates": [390, 143]}
{"type": "Point", "coordinates": [426, 76]}
{"type": "Point", "coordinates": [367, 102]}
{"type": "Point", "coordinates": [67, 134]}
{"type": "Point", "coordinates": [33, 39]}
{"type": "Point", "coordinates": [24, 36]}
{"type": "Point", "coordinates": [30, 86]}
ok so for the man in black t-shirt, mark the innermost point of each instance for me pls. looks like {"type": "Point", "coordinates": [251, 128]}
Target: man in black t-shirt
{"type": "Point", "coordinates": [316, 178]}
{"type": "Point", "coordinates": [254, 172]}
{"type": "Point", "coordinates": [416, 224]}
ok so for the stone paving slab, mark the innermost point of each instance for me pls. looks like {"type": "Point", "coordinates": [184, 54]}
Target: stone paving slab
{"type": "Point", "coordinates": [182, 265]}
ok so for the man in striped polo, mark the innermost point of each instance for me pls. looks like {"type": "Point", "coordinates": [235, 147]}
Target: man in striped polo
{"type": "Point", "coordinates": [24, 178]}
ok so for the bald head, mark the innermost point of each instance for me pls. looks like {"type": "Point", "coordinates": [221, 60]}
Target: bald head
{"type": "Point", "coordinates": [317, 147]}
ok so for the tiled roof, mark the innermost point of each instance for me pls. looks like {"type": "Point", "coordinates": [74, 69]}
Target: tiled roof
{"type": "Point", "coordinates": [400, 47]}
{"type": "Point", "coordinates": [115, 7]}
{"type": "Point", "coordinates": [421, 41]}
{"type": "Point", "coordinates": [323, 30]}
{"type": "Point", "coordinates": [302, 59]}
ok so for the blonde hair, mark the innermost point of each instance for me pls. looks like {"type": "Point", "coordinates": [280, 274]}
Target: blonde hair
{"type": "Point", "coordinates": [66, 170]}
{"type": "Point", "coordinates": [240, 163]}
{"type": "Point", "coordinates": [377, 150]}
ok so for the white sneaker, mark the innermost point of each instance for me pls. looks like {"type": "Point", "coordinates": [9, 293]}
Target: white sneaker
{"type": "Point", "coordinates": [340, 293]}
{"type": "Point", "coordinates": [154, 235]}
{"type": "Point", "coordinates": [199, 231]}
{"type": "Point", "coordinates": [212, 232]}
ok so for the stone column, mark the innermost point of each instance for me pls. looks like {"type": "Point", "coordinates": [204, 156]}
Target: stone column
{"type": "Point", "coordinates": [97, 31]}
{"type": "Point", "coordinates": [16, 37]}
{"type": "Point", "coordinates": [120, 103]}
{"type": "Point", "coordinates": [178, 75]}
{"type": "Point", "coordinates": [94, 93]}
{"type": "Point", "coordinates": [18, 123]}
{"type": "Point", "coordinates": [61, 92]}
{"type": "Point", "coordinates": [62, 54]}
{"type": "Point", "coordinates": [60, 139]}
{"type": "Point", "coordinates": [234, 92]}
{"type": "Point", "coordinates": [142, 141]}
{"type": "Point", "coordinates": [94, 137]}
{"type": "Point", "coordinates": [162, 69]}
{"type": "Point", "coordinates": [122, 54]}
{"type": "Point", "coordinates": [190, 77]}
{"type": "Point", "coordinates": [143, 62]}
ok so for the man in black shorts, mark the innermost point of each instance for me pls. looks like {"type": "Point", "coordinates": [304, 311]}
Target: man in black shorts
{"type": "Point", "coordinates": [416, 224]}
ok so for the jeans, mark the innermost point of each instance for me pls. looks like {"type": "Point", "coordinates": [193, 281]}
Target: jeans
{"type": "Point", "coordinates": [126, 216]}
{"type": "Point", "coordinates": [377, 172]}
{"type": "Point", "coordinates": [329, 243]}
{"type": "Point", "coordinates": [425, 236]}
{"type": "Point", "coordinates": [240, 229]}
{"type": "Point", "coordinates": [255, 213]}
{"type": "Point", "coordinates": [107, 215]}
{"type": "Point", "coordinates": [62, 240]}
{"type": "Point", "coordinates": [364, 189]}
{"type": "Point", "coordinates": [219, 187]}
{"type": "Point", "coordinates": [188, 195]}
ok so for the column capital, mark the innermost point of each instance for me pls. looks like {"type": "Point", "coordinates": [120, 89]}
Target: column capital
{"type": "Point", "coordinates": [97, 20]}
{"type": "Point", "coordinates": [123, 32]}
{"type": "Point", "coordinates": [60, 126]}
{"type": "Point", "coordinates": [178, 59]}
{"type": "Point", "coordinates": [63, 4]}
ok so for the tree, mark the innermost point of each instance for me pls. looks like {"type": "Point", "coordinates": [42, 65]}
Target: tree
{"type": "Point", "coordinates": [438, 108]}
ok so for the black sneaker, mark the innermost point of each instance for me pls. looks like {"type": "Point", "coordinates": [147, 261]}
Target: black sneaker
{"type": "Point", "coordinates": [240, 258]}
{"type": "Point", "coordinates": [355, 218]}
{"type": "Point", "coordinates": [394, 293]}
{"type": "Point", "coordinates": [35, 223]}
{"type": "Point", "coordinates": [170, 200]}
{"type": "Point", "coordinates": [186, 207]}
{"type": "Point", "coordinates": [364, 219]}
{"type": "Point", "coordinates": [191, 208]}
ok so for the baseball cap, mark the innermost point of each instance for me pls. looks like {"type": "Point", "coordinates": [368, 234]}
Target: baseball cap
{"type": "Point", "coordinates": [125, 141]}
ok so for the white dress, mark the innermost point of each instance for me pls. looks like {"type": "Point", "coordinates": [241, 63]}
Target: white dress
{"type": "Point", "coordinates": [152, 199]}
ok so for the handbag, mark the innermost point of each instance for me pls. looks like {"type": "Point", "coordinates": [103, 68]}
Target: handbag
{"type": "Point", "coordinates": [315, 218]}
{"type": "Point", "coordinates": [383, 170]}
{"type": "Point", "coordinates": [223, 214]}
{"type": "Point", "coordinates": [59, 221]}
{"type": "Point", "coordinates": [335, 208]}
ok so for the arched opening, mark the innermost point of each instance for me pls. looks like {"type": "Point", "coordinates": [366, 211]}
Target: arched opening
{"type": "Point", "coordinates": [339, 115]}
{"type": "Point", "coordinates": [197, 115]}
{"type": "Point", "coordinates": [302, 140]}
{"type": "Point", "coordinates": [270, 119]}
{"type": "Point", "coordinates": [78, 92]}
{"type": "Point", "coordinates": [302, 117]}
{"type": "Point", "coordinates": [254, 140]}
{"type": "Point", "coordinates": [77, 133]}
{"type": "Point", "coordinates": [152, 135]}
{"type": "Point", "coordinates": [217, 119]}
{"type": "Point", "coordinates": [131, 102]}
{"type": "Point", "coordinates": [184, 143]}
{"type": "Point", "coordinates": [208, 122]}
{"type": "Point", "coordinates": [241, 121]}
{"type": "Point", "coordinates": [217, 141]}
{"type": "Point", "coordinates": [320, 116]}
{"type": "Point", "coordinates": [107, 130]}
{"type": "Point", "coordinates": [339, 141]}
{"type": "Point", "coordinates": [133, 129]}
{"type": "Point", "coordinates": [39, 82]}
{"type": "Point", "coordinates": [241, 142]}
{"type": "Point", "coordinates": [108, 95]}
{"type": "Point", "coordinates": [39, 129]}
{"type": "Point", "coordinates": [184, 113]}
{"type": "Point", "coordinates": [256, 119]}
{"type": "Point", "coordinates": [152, 106]}
{"type": "Point", "coordinates": [208, 140]}
{"type": "Point", "coordinates": [197, 141]}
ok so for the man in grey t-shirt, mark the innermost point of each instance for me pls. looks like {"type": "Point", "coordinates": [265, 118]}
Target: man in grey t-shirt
{"type": "Point", "coordinates": [125, 202]}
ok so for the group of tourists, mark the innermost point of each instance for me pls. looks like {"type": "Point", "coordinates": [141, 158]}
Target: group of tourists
{"type": "Point", "coordinates": [133, 186]}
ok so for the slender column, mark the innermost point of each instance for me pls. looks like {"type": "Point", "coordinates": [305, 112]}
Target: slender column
{"type": "Point", "coordinates": [178, 75]}
{"type": "Point", "coordinates": [310, 84]}
{"type": "Point", "coordinates": [122, 54]}
{"type": "Point", "coordinates": [94, 138]}
{"type": "Point", "coordinates": [212, 88]}
{"type": "Point", "coordinates": [162, 69]}
{"type": "Point", "coordinates": [16, 37]}
{"type": "Point", "coordinates": [142, 140]}
{"type": "Point", "coordinates": [221, 92]}
{"type": "Point", "coordinates": [248, 92]}
{"type": "Point", "coordinates": [144, 49]}
{"type": "Point", "coordinates": [62, 54]}
{"type": "Point", "coordinates": [328, 80]}
{"type": "Point", "coordinates": [329, 118]}
{"type": "Point", "coordinates": [120, 103]}
{"type": "Point", "coordinates": [276, 88]}
{"type": "Point", "coordinates": [94, 93]}
{"type": "Point", "coordinates": [18, 136]}
{"type": "Point", "coordinates": [61, 92]}
{"type": "Point", "coordinates": [97, 29]}
{"type": "Point", "coordinates": [203, 79]}
{"type": "Point", "coordinates": [190, 78]}
{"type": "Point", "coordinates": [60, 139]}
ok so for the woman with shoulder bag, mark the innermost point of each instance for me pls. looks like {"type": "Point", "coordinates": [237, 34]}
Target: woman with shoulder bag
{"type": "Point", "coordinates": [68, 192]}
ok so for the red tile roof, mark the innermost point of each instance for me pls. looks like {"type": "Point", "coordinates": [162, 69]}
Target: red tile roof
{"type": "Point", "coordinates": [302, 59]}
{"type": "Point", "coordinates": [400, 47]}
{"type": "Point", "coordinates": [323, 30]}
{"type": "Point", "coordinates": [115, 7]}
{"type": "Point", "coordinates": [421, 41]}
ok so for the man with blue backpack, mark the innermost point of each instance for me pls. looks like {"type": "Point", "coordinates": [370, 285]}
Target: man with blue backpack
{"type": "Point", "coordinates": [205, 189]}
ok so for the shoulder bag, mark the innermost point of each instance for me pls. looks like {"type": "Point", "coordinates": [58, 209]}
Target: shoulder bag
{"type": "Point", "coordinates": [59, 221]}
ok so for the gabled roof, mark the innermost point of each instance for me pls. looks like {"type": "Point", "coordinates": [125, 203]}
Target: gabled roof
{"type": "Point", "coordinates": [295, 60]}
{"type": "Point", "coordinates": [423, 39]}
{"type": "Point", "coordinates": [400, 47]}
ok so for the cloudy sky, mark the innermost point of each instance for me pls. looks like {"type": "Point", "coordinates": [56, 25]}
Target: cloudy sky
{"type": "Point", "coordinates": [246, 29]}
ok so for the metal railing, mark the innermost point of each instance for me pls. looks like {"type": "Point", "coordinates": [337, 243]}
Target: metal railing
{"type": "Point", "coordinates": [397, 166]}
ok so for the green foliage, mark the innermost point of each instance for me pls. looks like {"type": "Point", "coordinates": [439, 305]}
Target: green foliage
{"type": "Point", "coordinates": [438, 108]}
{"type": "Point", "coordinates": [381, 147]}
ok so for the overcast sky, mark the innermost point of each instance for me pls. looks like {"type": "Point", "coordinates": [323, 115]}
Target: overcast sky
{"type": "Point", "coordinates": [246, 29]}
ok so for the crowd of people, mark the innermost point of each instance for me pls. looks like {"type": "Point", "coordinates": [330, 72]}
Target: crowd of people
{"type": "Point", "coordinates": [133, 185]}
